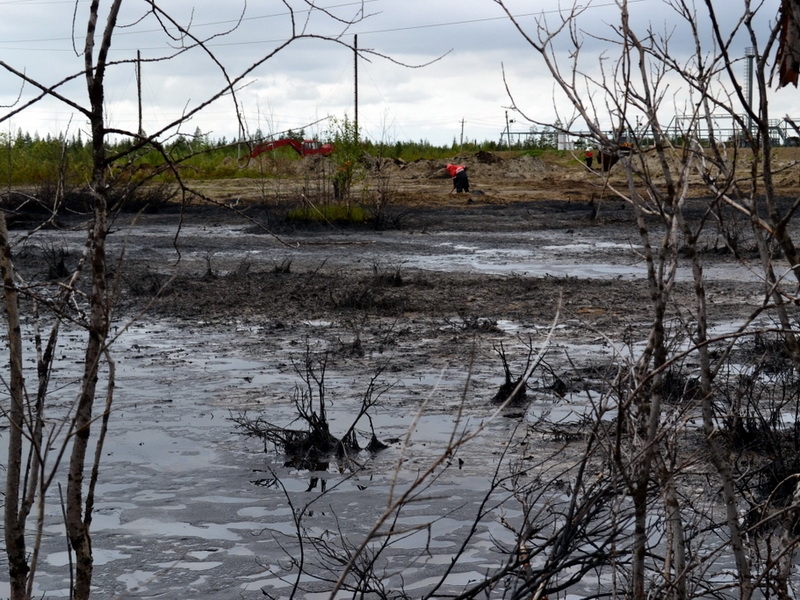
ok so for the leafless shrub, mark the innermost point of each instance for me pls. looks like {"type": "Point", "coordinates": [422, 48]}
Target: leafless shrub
{"type": "Point", "coordinates": [372, 292]}
{"type": "Point", "coordinates": [55, 259]}
{"type": "Point", "coordinates": [313, 445]}
{"type": "Point", "coordinates": [565, 520]}
{"type": "Point", "coordinates": [734, 228]}
{"type": "Point", "coordinates": [678, 387]}
{"type": "Point", "coordinates": [553, 382]}
{"type": "Point", "coordinates": [650, 397]}
{"type": "Point", "coordinates": [209, 273]}
{"type": "Point", "coordinates": [513, 390]}
{"type": "Point", "coordinates": [379, 197]}
{"type": "Point", "coordinates": [766, 447]}
{"type": "Point", "coordinates": [360, 297]}
{"type": "Point", "coordinates": [353, 347]}
{"type": "Point", "coordinates": [769, 353]}
{"type": "Point", "coordinates": [147, 284]}
{"type": "Point", "coordinates": [285, 266]}
{"type": "Point", "coordinates": [574, 430]}
{"type": "Point", "coordinates": [388, 276]}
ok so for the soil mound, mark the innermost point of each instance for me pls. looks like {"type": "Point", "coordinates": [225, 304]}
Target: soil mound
{"type": "Point", "coordinates": [487, 158]}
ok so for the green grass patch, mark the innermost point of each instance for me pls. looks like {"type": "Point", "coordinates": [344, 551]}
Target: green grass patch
{"type": "Point", "coordinates": [31, 160]}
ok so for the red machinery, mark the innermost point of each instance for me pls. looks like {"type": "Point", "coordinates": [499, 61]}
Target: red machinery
{"type": "Point", "coordinates": [304, 148]}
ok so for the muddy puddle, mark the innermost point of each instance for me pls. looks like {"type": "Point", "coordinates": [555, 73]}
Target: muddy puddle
{"type": "Point", "coordinates": [188, 507]}
{"type": "Point", "coordinates": [583, 253]}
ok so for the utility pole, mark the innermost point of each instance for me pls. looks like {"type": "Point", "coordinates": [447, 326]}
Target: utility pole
{"type": "Point", "coordinates": [355, 79]}
{"type": "Point", "coordinates": [508, 130]}
{"type": "Point", "coordinates": [139, 88]}
{"type": "Point", "coordinates": [461, 144]}
{"type": "Point", "coordinates": [750, 54]}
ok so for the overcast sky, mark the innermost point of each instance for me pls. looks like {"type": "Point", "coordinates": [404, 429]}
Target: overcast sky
{"type": "Point", "coordinates": [462, 91]}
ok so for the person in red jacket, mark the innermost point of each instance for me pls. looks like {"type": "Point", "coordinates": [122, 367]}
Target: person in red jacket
{"type": "Point", "coordinates": [459, 175]}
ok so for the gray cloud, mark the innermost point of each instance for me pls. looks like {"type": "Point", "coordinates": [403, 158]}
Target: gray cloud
{"type": "Point", "coordinates": [312, 79]}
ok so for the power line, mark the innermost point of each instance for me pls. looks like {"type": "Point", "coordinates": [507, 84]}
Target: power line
{"type": "Point", "coordinates": [225, 22]}
{"type": "Point", "coordinates": [487, 19]}
{"type": "Point", "coordinates": [284, 14]}
{"type": "Point", "coordinates": [36, 2]}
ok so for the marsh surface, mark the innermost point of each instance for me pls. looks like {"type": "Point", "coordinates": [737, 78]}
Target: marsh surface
{"type": "Point", "coordinates": [226, 311]}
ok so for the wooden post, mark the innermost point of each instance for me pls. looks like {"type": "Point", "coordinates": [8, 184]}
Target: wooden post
{"type": "Point", "coordinates": [139, 88]}
{"type": "Point", "coordinates": [355, 79]}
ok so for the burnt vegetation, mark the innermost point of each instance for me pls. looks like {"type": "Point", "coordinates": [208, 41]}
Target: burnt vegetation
{"type": "Point", "coordinates": [313, 446]}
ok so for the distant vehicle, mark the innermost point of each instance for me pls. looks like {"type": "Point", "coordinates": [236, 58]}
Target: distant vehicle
{"type": "Point", "coordinates": [304, 148]}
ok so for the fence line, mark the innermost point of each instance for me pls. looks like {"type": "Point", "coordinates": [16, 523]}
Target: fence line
{"type": "Point", "coordinates": [725, 129]}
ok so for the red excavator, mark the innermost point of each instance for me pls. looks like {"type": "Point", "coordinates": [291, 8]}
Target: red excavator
{"type": "Point", "coordinates": [304, 148]}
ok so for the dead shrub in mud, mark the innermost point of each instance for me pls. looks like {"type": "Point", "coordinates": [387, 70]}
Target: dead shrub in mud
{"type": "Point", "coordinates": [380, 201]}
{"type": "Point", "coordinates": [148, 284]}
{"type": "Point", "coordinates": [513, 390]}
{"type": "Point", "coordinates": [390, 276]}
{"type": "Point", "coordinates": [679, 387]}
{"type": "Point", "coordinates": [770, 353]}
{"type": "Point", "coordinates": [358, 297]}
{"type": "Point", "coordinates": [562, 432]}
{"type": "Point", "coordinates": [55, 258]}
{"type": "Point", "coordinates": [354, 346]}
{"type": "Point", "coordinates": [365, 294]}
{"type": "Point", "coordinates": [313, 445]}
{"type": "Point", "coordinates": [766, 444]}
{"type": "Point", "coordinates": [283, 267]}
{"type": "Point", "coordinates": [49, 261]}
